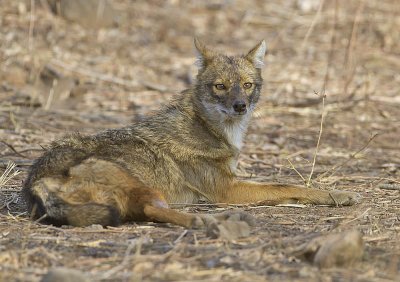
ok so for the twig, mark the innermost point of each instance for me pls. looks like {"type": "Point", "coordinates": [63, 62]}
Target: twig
{"type": "Point", "coordinates": [31, 26]}
{"type": "Point", "coordinates": [356, 218]}
{"type": "Point", "coordinates": [301, 206]}
{"type": "Point", "coordinates": [350, 48]}
{"type": "Point", "coordinates": [301, 176]}
{"type": "Point", "coordinates": [311, 28]}
{"type": "Point", "coordinates": [13, 149]}
{"type": "Point", "coordinates": [323, 93]}
{"type": "Point", "coordinates": [183, 234]}
{"type": "Point", "coordinates": [331, 49]}
{"type": "Point", "coordinates": [41, 218]}
{"type": "Point", "coordinates": [50, 97]}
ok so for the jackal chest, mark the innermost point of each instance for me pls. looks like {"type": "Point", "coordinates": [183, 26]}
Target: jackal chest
{"type": "Point", "coordinates": [235, 132]}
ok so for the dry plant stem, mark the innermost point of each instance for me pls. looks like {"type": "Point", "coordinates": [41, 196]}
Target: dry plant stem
{"type": "Point", "coordinates": [183, 234]}
{"type": "Point", "coordinates": [14, 150]}
{"type": "Point", "coordinates": [331, 50]}
{"type": "Point", "coordinates": [326, 79]}
{"type": "Point", "coordinates": [293, 167]}
{"type": "Point", "coordinates": [31, 26]}
{"type": "Point", "coordinates": [41, 218]}
{"type": "Point", "coordinates": [313, 23]}
{"type": "Point", "coordinates": [349, 56]}
{"type": "Point", "coordinates": [8, 174]}
{"type": "Point", "coordinates": [14, 122]}
{"type": "Point", "coordinates": [356, 218]}
{"type": "Point", "coordinates": [51, 96]}
{"type": "Point", "coordinates": [352, 156]}
{"type": "Point", "coordinates": [308, 183]}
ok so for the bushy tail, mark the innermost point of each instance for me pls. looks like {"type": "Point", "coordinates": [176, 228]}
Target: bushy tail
{"type": "Point", "coordinates": [60, 157]}
{"type": "Point", "coordinates": [47, 206]}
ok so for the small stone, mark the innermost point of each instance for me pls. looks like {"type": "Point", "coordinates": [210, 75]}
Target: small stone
{"type": "Point", "coordinates": [340, 250]}
{"type": "Point", "coordinates": [335, 250]}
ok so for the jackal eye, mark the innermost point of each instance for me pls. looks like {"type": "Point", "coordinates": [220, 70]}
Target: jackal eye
{"type": "Point", "coordinates": [220, 86]}
{"type": "Point", "coordinates": [247, 85]}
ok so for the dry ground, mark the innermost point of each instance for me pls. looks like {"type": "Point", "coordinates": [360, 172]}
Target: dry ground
{"type": "Point", "coordinates": [59, 76]}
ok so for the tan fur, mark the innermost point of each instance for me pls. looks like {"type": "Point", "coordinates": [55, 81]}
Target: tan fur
{"type": "Point", "coordinates": [185, 152]}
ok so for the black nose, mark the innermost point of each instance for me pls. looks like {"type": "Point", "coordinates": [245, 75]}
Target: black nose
{"type": "Point", "coordinates": [239, 107]}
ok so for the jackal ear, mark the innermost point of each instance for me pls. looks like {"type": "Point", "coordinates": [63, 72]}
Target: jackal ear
{"type": "Point", "coordinates": [256, 55]}
{"type": "Point", "coordinates": [204, 55]}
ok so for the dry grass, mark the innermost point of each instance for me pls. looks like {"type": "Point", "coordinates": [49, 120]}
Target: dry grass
{"type": "Point", "coordinates": [348, 51]}
{"type": "Point", "coordinates": [9, 173]}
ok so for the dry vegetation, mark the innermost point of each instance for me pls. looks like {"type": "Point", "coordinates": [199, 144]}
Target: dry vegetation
{"type": "Point", "coordinates": [60, 73]}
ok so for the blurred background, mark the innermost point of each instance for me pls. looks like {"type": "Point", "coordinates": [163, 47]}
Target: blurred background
{"type": "Point", "coordinates": [116, 54]}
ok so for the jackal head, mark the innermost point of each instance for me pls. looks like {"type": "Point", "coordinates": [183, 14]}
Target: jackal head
{"type": "Point", "coordinates": [228, 87]}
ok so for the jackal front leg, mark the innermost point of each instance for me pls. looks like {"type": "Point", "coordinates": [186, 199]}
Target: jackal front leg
{"type": "Point", "coordinates": [242, 192]}
{"type": "Point", "coordinates": [227, 225]}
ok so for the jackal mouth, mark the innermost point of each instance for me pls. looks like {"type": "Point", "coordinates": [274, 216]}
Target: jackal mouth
{"type": "Point", "coordinates": [241, 113]}
{"type": "Point", "coordinates": [233, 114]}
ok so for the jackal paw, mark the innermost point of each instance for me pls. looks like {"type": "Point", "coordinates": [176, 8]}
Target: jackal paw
{"type": "Point", "coordinates": [344, 198]}
{"type": "Point", "coordinates": [237, 215]}
{"type": "Point", "coordinates": [228, 230]}
{"type": "Point", "coordinates": [229, 225]}
{"type": "Point", "coordinates": [198, 222]}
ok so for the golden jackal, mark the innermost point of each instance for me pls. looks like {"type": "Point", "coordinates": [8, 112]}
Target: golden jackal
{"type": "Point", "coordinates": [185, 152]}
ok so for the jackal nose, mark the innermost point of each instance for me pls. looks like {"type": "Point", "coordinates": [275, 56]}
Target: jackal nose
{"type": "Point", "coordinates": [240, 107]}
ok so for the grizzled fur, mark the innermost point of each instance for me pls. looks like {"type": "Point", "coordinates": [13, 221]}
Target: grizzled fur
{"type": "Point", "coordinates": [186, 151]}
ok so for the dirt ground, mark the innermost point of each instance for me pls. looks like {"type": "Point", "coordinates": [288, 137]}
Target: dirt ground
{"type": "Point", "coordinates": [63, 69]}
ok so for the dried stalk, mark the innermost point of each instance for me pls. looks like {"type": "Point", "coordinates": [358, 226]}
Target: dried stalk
{"type": "Point", "coordinates": [8, 174]}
